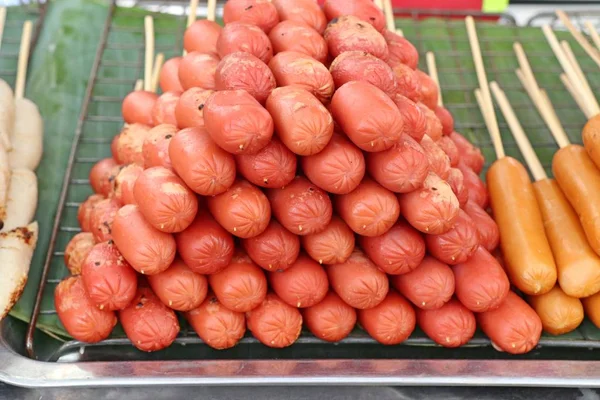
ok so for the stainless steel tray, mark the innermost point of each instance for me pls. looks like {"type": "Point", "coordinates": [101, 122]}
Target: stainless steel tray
{"type": "Point", "coordinates": [45, 359]}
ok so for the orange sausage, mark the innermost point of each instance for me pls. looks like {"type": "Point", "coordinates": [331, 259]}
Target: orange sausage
{"type": "Point", "coordinates": [302, 285]}
{"type": "Point", "coordinates": [205, 246]}
{"type": "Point", "coordinates": [244, 71]}
{"type": "Point", "coordinates": [469, 154]}
{"type": "Point", "coordinates": [456, 181]}
{"type": "Point", "coordinates": [377, 129]}
{"type": "Point", "coordinates": [169, 75]}
{"type": "Point", "coordinates": [358, 281]}
{"type": "Point", "coordinates": [217, 326]}
{"type": "Point", "coordinates": [439, 162]}
{"type": "Point", "coordinates": [297, 36]}
{"type": "Point", "coordinates": [429, 90]}
{"type": "Point", "coordinates": [298, 69]}
{"type": "Point", "coordinates": [579, 179]}
{"type": "Point", "coordinates": [241, 286]}
{"type": "Point", "coordinates": [274, 166]}
{"type": "Point", "coordinates": [338, 168]}
{"type": "Point", "coordinates": [306, 11]}
{"type": "Point", "coordinates": [189, 110]}
{"type": "Point", "coordinates": [591, 305]}
{"type": "Point", "coordinates": [481, 283]}
{"type": "Point", "coordinates": [148, 323]}
{"type": "Point", "coordinates": [364, 9]}
{"type": "Point", "coordinates": [529, 260]}
{"type": "Point", "coordinates": [275, 323]}
{"type": "Point", "coordinates": [445, 118]}
{"type": "Point", "coordinates": [261, 13]}
{"type": "Point", "coordinates": [102, 219]}
{"type": "Point", "coordinates": [446, 144]}
{"type": "Point", "coordinates": [84, 212]}
{"type": "Point", "coordinates": [243, 210]}
{"type": "Point", "coordinates": [301, 207]}
{"type": "Point", "coordinates": [401, 51]}
{"type": "Point", "coordinates": [203, 166]}
{"type": "Point", "coordinates": [434, 126]}
{"type": "Point", "coordinates": [148, 250]}
{"type": "Point", "coordinates": [178, 287]}
{"type": "Point", "coordinates": [408, 82]}
{"type": "Point", "coordinates": [451, 325]}
{"type": "Point", "coordinates": [77, 250]}
{"type": "Point", "coordinates": [429, 286]}
{"type": "Point", "coordinates": [415, 121]}
{"type": "Point", "coordinates": [240, 36]}
{"type": "Point", "coordinates": [348, 33]}
{"type": "Point", "coordinates": [456, 245]}
{"type": "Point", "coordinates": [202, 36]}
{"type": "Point", "coordinates": [109, 280]}
{"type": "Point", "coordinates": [370, 209]}
{"type": "Point", "coordinates": [276, 249]}
{"type": "Point", "coordinates": [401, 169]}
{"type": "Point", "coordinates": [236, 122]}
{"type": "Point", "coordinates": [137, 107]}
{"type": "Point", "coordinates": [513, 327]}
{"type": "Point", "coordinates": [164, 200]}
{"type": "Point", "coordinates": [433, 209]}
{"type": "Point", "coordinates": [114, 146]}
{"type": "Point", "coordinates": [391, 321]}
{"type": "Point", "coordinates": [79, 316]}
{"type": "Point", "coordinates": [156, 146]}
{"type": "Point", "coordinates": [361, 66]}
{"type": "Point", "coordinates": [487, 229]}
{"type": "Point", "coordinates": [164, 108]}
{"type": "Point", "coordinates": [591, 139]}
{"type": "Point", "coordinates": [100, 175]}
{"type": "Point", "coordinates": [303, 124]}
{"type": "Point", "coordinates": [476, 189]}
{"type": "Point", "coordinates": [124, 183]}
{"type": "Point", "coordinates": [130, 142]}
{"type": "Point", "coordinates": [559, 312]}
{"type": "Point", "coordinates": [332, 246]}
{"type": "Point", "coordinates": [331, 319]}
{"type": "Point", "coordinates": [398, 251]}
{"type": "Point", "coordinates": [577, 263]}
{"type": "Point", "coordinates": [198, 70]}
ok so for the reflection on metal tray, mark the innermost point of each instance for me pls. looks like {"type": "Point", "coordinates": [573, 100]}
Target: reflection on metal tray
{"type": "Point", "coordinates": [356, 360]}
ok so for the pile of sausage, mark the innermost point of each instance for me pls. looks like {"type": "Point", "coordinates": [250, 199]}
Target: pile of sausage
{"type": "Point", "coordinates": [296, 170]}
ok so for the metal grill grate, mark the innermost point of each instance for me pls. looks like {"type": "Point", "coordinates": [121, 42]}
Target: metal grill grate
{"type": "Point", "coordinates": [119, 63]}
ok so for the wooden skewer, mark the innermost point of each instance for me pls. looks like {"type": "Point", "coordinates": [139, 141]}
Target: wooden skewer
{"type": "Point", "coordinates": [589, 49]}
{"type": "Point", "coordinates": [593, 33]}
{"type": "Point", "coordinates": [149, 57]}
{"type": "Point", "coordinates": [583, 106]}
{"type": "Point", "coordinates": [399, 32]}
{"type": "Point", "coordinates": [573, 60]}
{"type": "Point", "coordinates": [531, 158]}
{"type": "Point", "coordinates": [23, 59]}
{"type": "Point", "coordinates": [433, 73]}
{"type": "Point", "coordinates": [524, 64]}
{"type": "Point", "coordinates": [2, 22]}
{"type": "Point", "coordinates": [482, 78]}
{"type": "Point", "coordinates": [139, 85]}
{"type": "Point", "coordinates": [389, 15]}
{"type": "Point", "coordinates": [192, 13]}
{"type": "Point", "coordinates": [211, 12]}
{"type": "Point", "coordinates": [379, 3]}
{"type": "Point", "coordinates": [158, 63]}
{"type": "Point", "coordinates": [487, 117]}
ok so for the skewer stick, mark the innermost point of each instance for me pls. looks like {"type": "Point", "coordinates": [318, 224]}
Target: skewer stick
{"type": "Point", "coordinates": [399, 32]}
{"type": "Point", "coordinates": [519, 134]}
{"type": "Point", "coordinates": [487, 117]}
{"type": "Point", "coordinates": [379, 3]}
{"type": "Point", "coordinates": [158, 63]}
{"type": "Point", "coordinates": [23, 60]}
{"type": "Point", "coordinates": [211, 12]}
{"type": "Point", "coordinates": [573, 60]}
{"type": "Point", "coordinates": [482, 78]}
{"type": "Point", "coordinates": [589, 49]}
{"type": "Point", "coordinates": [433, 73]}
{"type": "Point", "coordinates": [192, 13]}
{"type": "Point", "coordinates": [524, 65]}
{"type": "Point", "coordinates": [149, 58]}
{"type": "Point", "coordinates": [593, 33]}
{"type": "Point", "coordinates": [583, 106]}
{"type": "Point", "coordinates": [389, 15]}
{"type": "Point", "coordinates": [139, 85]}
{"type": "Point", "coordinates": [2, 23]}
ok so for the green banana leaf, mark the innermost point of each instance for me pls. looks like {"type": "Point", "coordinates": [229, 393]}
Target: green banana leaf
{"type": "Point", "coordinates": [64, 57]}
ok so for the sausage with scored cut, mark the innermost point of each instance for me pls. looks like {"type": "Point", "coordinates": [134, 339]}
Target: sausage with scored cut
{"type": "Point", "coordinates": [401, 51]}
{"type": "Point", "coordinates": [559, 312]}
{"type": "Point", "coordinates": [398, 251]}
{"type": "Point", "coordinates": [415, 120]}
{"type": "Point", "coordinates": [481, 283]}
{"type": "Point", "coordinates": [338, 168]}
{"type": "Point", "coordinates": [408, 83]}
{"type": "Point", "coordinates": [429, 90]}
{"type": "Point", "coordinates": [514, 327]}
{"type": "Point", "coordinates": [275, 323]}
{"type": "Point", "coordinates": [202, 36]}
{"type": "Point", "coordinates": [391, 321]}
{"type": "Point", "coordinates": [245, 71]}
{"type": "Point", "coordinates": [77, 250]}
{"type": "Point", "coordinates": [240, 36]}
{"type": "Point", "coordinates": [445, 118]}
{"type": "Point", "coordinates": [529, 260]}
{"type": "Point", "coordinates": [148, 250]}
{"type": "Point", "coordinates": [275, 249]}
{"type": "Point", "coordinates": [476, 188]}
{"type": "Point", "coordinates": [156, 146]}
{"type": "Point", "coordinates": [331, 319]}
{"type": "Point", "coordinates": [274, 166]}
{"type": "Point", "coordinates": [456, 245]}
{"type": "Point", "coordinates": [348, 32]}
{"type": "Point", "coordinates": [434, 126]}
{"type": "Point", "coordinates": [306, 11]}
{"type": "Point", "coordinates": [102, 218]}
{"type": "Point", "coordinates": [446, 144]}
{"type": "Point", "coordinates": [362, 66]}
{"type": "Point", "coordinates": [189, 110]}
{"type": "Point", "coordinates": [451, 325]}
{"type": "Point", "coordinates": [130, 143]}
{"type": "Point", "coordinates": [84, 212]}
{"type": "Point", "coordinates": [124, 182]}
{"type": "Point", "coordinates": [302, 285]}
{"type": "Point", "coordinates": [169, 75]}
{"type": "Point", "coordinates": [429, 286]}
{"type": "Point", "coordinates": [261, 13]}
{"type": "Point", "coordinates": [469, 154]}
{"type": "Point", "coordinates": [487, 229]}
{"type": "Point", "coordinates": [164, 108]}
{"type": "Point", "coordinates": [439, 162]}
{"type": "Point", "coordinates": [333, 245]}
{"type": "Point", "coordinates": [297, 36]}
{"type": "Point", "coordinates": [364, 9]}
{"type": "Point", "coordinates": [198, 70]}
{"type": "Point", "coordinates": [456, 181]}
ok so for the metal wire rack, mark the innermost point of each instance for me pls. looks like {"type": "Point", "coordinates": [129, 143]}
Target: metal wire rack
{"type": "Point", "coordinates": [118, 64]}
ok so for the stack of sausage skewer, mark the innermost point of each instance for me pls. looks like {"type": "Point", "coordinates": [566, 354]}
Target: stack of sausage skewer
{"type": "Point", "coordinates": [298, 169]}
{"type": "Point", "coordinates": [21, 142]}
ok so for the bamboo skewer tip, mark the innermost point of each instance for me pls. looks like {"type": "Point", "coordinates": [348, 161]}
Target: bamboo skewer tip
{"type": "Point", "coordinates": [158, 63]}
{"type": "Point", "coordinates": [212, 10]}
{"type": "Point", "coordinates": [149, 54]}
{"type": "Point", "coordinates": [583, 42]}
{"type": "Point", "coordinates": [193, 7]}
{"type": "Point", "coordinates": [433, 73]}
{"type": "Point", "coordinates": [2, 22]}
{"type": "Point", "coordinates": [23, 59]}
